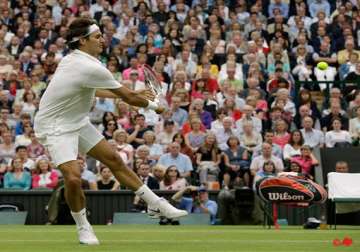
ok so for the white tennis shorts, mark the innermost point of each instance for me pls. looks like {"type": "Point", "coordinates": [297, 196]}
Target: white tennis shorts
{"type": "Point", "coordinates": [66, 147]}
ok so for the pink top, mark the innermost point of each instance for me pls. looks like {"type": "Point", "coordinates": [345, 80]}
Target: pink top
{"type": "Point", "coordinates": [281, 140]}
{"type": "Point", "coordinates": [305, 163]}
{"type": "Point", "coordinates": [178, 185]}
{"type": "Point", "coordinates": [48, 180]}
{"type": "Point", "coordinates": [126, 73]}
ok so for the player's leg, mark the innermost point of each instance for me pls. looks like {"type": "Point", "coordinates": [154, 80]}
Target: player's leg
{"type": "Point", "coordinates": [103, 152]}
{"type": "Point", "coordinates": [74, 195]}
{"type": "Point", "coordinates": [64, 150]}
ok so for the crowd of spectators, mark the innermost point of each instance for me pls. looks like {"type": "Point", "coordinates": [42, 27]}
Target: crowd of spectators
{"type": "Point", "coordinates": [228, 70]}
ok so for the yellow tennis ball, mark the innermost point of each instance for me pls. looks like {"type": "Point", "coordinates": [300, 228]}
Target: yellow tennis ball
{"type": "Point", "coordinates": [322, 65]}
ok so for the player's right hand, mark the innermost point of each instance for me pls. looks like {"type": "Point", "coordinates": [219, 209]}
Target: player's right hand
{"type": "Point", "coordinates": [160, 110]}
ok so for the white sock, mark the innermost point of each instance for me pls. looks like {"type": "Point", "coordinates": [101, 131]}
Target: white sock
{"type": "Point", "coordinates": [80, 218]}
{"type": "Point", "coordinates": [147, 195]}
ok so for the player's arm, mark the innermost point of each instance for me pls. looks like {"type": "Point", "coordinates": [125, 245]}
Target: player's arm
{"type": "Point", "coordinates": [134, 98]}
{"type": "Point", "coordinates": [105, 93]}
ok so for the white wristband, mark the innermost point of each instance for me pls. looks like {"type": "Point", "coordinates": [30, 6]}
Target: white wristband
{"type": "Point", "coordinates": [152, 105]}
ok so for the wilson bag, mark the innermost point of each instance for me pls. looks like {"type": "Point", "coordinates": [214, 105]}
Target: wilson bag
{"type": "Point", "coordinates": [291, 189]}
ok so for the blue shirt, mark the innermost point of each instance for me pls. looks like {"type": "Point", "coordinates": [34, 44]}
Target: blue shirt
{"type": "Point", "coordinates": [315, 7]}
{"type": "Point", "coordinates": [187, 204]}
{"type": "Point", "coordinates": [182, 162]}
{"type": "Point", "coordinates": [180, 116]}
{"type": "Point", "coordinates": [11, 182]}
{"type": "Point", "coordinates": [284, 9]}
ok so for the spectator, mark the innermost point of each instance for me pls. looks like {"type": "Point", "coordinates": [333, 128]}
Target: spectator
{"type": "Point", "coordinates": [174, 157]}
{"type": "Point", "coordinates": [354, 128]}
{"type": "Point", "coordinates": [258, 162]}
{"type": "Point", "coordinates": [195, 138]}
{"type": "Point", "coordinates": [268, 138]}
{"type": "Point", "coordinates": [326, 121]}
{"type": "Point", "coordinates": [292, 148]}
{"type": "Point", "coordinates": [312, 137]}
{"type": "Point", "coordinates": [21, 152]}
{"type": "Point", "coordinates": [144, 174]}
{"type": "Point", "coordinates": [156, 150]}
{"type": "Point", "coordinates": [7, 148]}
{"type": "Point", "coordinates": [125, 150]}
{"type": "Point", "coordinates": [25, 138]}
{"type": "Point", "coordinates": [136, 133]}
{"type": "Point", "coordinates": [87, 175]}
{"type": "Point", "coordinates": [306, 160]}
{"type": "Point", "coordinates": [16, 177]}
{"type": "Point", "coordinates": [173, 180]}
{"type": "Point", "coordinates": [342, 167]}
{"type": "Point", "coordinates": [208, 159]}
{"type": "Point", "coordinates": [237, 163]}
{"type": "Point", "coordinates": [158, 172]}
{"type": "Point", "coordinates": [250, 139]}
{"type": "Point", "coordinates": [198, 203]}
{"type": "Point", "coordinates": [179, 115]}
{"type": "Point", "coordinates": [281, 136]}
{"type": "Point", "coordinates": [249, 117]}
{"type": "Point", "coordinates": [184, 148]}
{"type": "Point", "coordinates": [35, 149]}
{"type": "Point", "coordinates": [44, 176]}
{"type": "Point", "coordinates": [336, 136]}
{"type": "Point", "coordinates": [218, 123]}
{"type": "Point", "coordinates": [205, 116]}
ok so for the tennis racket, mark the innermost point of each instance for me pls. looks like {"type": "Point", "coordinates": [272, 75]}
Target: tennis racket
{"type": "Point", "coordinates": [152, 82]}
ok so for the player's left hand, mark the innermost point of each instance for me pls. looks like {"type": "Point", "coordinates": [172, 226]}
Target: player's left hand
{"type": "Point", "coordinates": [147, 94]}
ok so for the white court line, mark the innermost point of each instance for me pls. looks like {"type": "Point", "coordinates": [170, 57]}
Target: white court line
{"type": "Point", "coordinates": [176, 242]}
{"type": "Point", "coordinates": [266, 231]}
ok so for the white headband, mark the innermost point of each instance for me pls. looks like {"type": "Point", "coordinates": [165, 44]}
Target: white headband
{"type": "Point", "coordinates": [92, 28]}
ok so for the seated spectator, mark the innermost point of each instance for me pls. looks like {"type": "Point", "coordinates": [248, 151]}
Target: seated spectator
{"type": "Point", "coordinates": [268, 138]}
{"type": "Point", "coordinates": [312, 137]}
{"type": "Point", "coordinates": [27, 163]}
{"type": "Point", "coordinates": [250, 138]}
{"type": "Point", "coordinates": [342, 167]}
{"type": "Point", "coordinates": [282, 95]}
{"type": "Point", "coordinates": [302, 64]}
{"type": "Point", "coordinates": [335, 112]}
{"type": "Point", "coordinates": [144, 174]}
{"type": "Point", "coordinates": [16, 177]}
{"type": "Point", "coordinates": [24, 139]}
{"type": "Point", "coordinates": [237, 163]}
{"type": "Point", "coordinates": [173, 180]}
{"type": "Point", "coordinates": [110, 128]}
{"type": "Point", "coordinates": [218, 122]}
{"type": "Point", "coordinates": [125, 150]}
{"type": "Point", "coordinates": [179, 115]}
{"type": "Point", "coordinates": [123, 114]}
{"type": "Point", "coordinates": [325, 55]}
{"type": "Point", "coordinates": [174, 157]}
{"type": "Point", "coordinates": [281, 135]}
{"type": "Point", "coordinates": [306, 99]}
{"type": "Point", "coordinates": [155, 149]}
{"type": "Point", "coordinates": [268, 170]}
{"type": "Point", "coordinates": [35, 149]}
{"type": "Point", "coordinates": [184, 149]}
{"type": "Point", "coordinates": [198, 203]}
{"type": "Point", "coordinates": [258, 162]}
{"type": "Point", "coordinates": [306, 160]}
{"type": "Point", "coordinates": [44, 176]}
{"type": "Point", "coordinates": [337, 137]}
{"type": "Point", "coordinates": [136, 132]}
{"type": "Point", "coordinates": [222, 134]}
{"type": "Point", "coordinates": [87, 175]}
{"type": "Point", "coordinates": [7, 148]}
{"type": "Point", "coordinates": [106, 180]}
{"type": "Point", "coordinates": [158, 172]}
{"type": "Point", "coordinates": [354, 128]}
{"type": "Point", "coordinates": [195, 138]}
{"type": "Point", "coordinates": [354, 104]}
{"type": "Point", "coordinates": [208, 159]}
{"type": "Point", "coordinates": [205, 116]}
{"type": "Point", "coordinates": [349, 67]}
{"type": "Point", "coordinates": [248, 116]}
{"type": "Point", "coordinates": [292, 148]}
{"type": "Point", "coordinates": [165, 136]}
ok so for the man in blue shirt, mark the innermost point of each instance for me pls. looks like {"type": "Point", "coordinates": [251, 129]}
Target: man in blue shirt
{"type": "Point", "coordinates": [174, 157]}
{"type": "Point", "coordinates": [319, 5]}
{"type": "Point", "coordinates": [198, 203]}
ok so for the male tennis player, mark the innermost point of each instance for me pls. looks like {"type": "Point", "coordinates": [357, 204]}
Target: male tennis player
{"type": "Point", "coordinates": [63, 126]}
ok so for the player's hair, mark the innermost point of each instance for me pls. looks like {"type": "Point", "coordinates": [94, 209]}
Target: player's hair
{"type": "Point", "coordinates": [78, 28]}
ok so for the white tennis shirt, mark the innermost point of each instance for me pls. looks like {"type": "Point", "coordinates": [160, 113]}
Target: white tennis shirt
{"type": "Point", "coordinates": [65, 105]}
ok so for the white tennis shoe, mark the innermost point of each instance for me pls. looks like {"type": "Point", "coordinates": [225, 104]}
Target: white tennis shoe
{"type": "Point", "coordinates": [162, 208]}
{"type": "Point", "coordinates": [87, 236]}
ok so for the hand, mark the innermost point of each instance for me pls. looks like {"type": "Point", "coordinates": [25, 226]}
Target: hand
{"type": "Point", "coordinates": [146, 94]}
{"type": "Point", "coordinates": [160, 110]}
{"type": "Point", "coordinates": [137, 127]}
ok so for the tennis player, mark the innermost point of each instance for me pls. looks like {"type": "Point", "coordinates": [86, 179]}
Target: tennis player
{"type": "Point", "coordinates": [62, 124]}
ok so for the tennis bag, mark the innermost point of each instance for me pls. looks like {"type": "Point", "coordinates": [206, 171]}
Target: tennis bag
{"type": "Point", "coordinates": [291, 189]}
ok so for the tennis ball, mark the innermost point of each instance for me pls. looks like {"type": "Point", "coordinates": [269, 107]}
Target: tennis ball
{"type": "Point", "coordinates": [322, 65]}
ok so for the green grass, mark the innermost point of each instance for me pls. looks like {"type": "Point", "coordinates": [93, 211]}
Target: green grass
{"type": "Point", "coordinates": [124, 238]}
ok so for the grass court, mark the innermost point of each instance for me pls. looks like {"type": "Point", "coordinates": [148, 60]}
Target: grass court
{"type": "Point", "coordinates": [123, 238]}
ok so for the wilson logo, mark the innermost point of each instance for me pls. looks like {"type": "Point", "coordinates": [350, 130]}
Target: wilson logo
{"type": "Point", "coordinates": [285, 196]}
